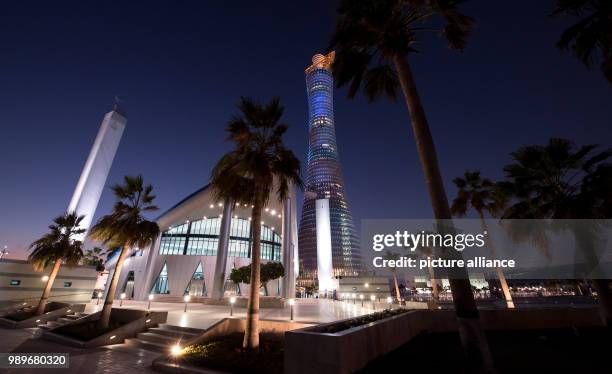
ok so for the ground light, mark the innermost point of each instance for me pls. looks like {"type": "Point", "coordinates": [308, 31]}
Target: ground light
{"type": "Point", "coordinates": [373, 298]}
{"type": "Point", "coordinates": [354, 296]}
{"type": "Point", "coordinates": [176, 350]}
{"type": "Point", "coordinates": [44, 278]}
{"type": "Point", "coordinates": [232, 302]}
{"type": "Point", "coordinates": [99, 296]}
{"type": "Point", "coordinates": [150, 298]}
{"type": "Point", "coordinates": [186, 299]}
{"type": "Point", "coordinates": [122, 296]}
{"type": "Point", "coordinates": [361, 297]}
{"type": "Point", "coordinates": [390, 301]}
{"type": "Point", "coordinates": [291, 304]}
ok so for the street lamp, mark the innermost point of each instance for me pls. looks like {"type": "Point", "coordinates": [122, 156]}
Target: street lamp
{"type": "Point", "coordinates": [291, 304]}
{"type": "Point", "coordinates": [373, 298]}
{"type": "Point", "coordinates": [186, 299]}
{"type": "Point", "coordinates": [354, 296]}
{"type": "Point", "coordinates": [122, 296]}
{"type": "Point", "coordinates": [389, 301]}
{"type": "Point", "coordinates": [150, 298]}
{"type": "Point", "coordinates": [361, 297]}
{"type": "Point", "coordinates": [99, 296]}
{"type": "Point", "coordinates": [232, 302]}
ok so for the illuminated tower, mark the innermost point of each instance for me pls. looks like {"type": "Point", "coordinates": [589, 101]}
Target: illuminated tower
{"type": "Point", "coordinates": [324, 181]}
{"type": "Point", "coordinates": [93, 177]}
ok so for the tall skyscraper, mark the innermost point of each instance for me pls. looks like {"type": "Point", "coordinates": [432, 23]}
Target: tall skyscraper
{"type": "Point", "coordinates": [93, 177]}
{"type": "Point", "coordinates": [324, 181]}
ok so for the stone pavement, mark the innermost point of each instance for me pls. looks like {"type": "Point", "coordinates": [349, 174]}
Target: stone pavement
{"type": "Point", "coordinates": [120, 359]}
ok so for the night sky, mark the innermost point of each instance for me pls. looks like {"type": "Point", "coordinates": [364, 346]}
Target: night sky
{"type": "Point", "coordinates": [182, 66]}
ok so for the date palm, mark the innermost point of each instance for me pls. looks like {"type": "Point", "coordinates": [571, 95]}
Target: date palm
{"type": "Point", "coordinates": [373, 41]}
{"type": "Point", "coordinates": [562, 181]}
{"type": "Point", "coordinates": [483, 196]}
{"type": "Point", "coordinates": [394, 256]}
{"type": "Point", "coordinates": [56, 247]}
{"type": "Point", "coordinates": [125, 227]}
{"type": "Point", "coordinates": [590, 39]}
{"type": "Point", "coordinates": [258, 165]}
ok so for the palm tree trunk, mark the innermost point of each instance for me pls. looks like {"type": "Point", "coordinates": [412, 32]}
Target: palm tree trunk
{"type": "Point", "coordinates": [104, 320]}
{"type": "Point", "coordinates": [251, 332]}
{"type": "Point", "coordinates": [472, 336]}
{"type": "Point", "coordinates": [500, 273]}
{"type": "Point", "coordinates": [45, 295]}
{"type": "Point", "coordinates": [397, 291]}
{"type": "Point", "coordinates": [434, 284]}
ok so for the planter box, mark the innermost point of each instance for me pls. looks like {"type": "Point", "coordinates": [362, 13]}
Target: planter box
{"type": "Point", "coordinates": [135, 321]}
{"type": "Point", "coordinates": [222, 328]}
{"type": "Point", "coordinates": [310, 350]}
{"type": "Point", "coordinates": [55, 311]}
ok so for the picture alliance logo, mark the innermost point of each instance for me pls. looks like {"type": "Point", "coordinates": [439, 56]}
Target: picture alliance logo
{"type": "Point", "coordinates": [413, 241]}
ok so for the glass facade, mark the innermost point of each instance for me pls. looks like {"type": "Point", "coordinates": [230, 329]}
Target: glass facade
{"type": "Point", "coordinates": [201, 238]}
{"type": "Point", "coordinates": [324, 178]}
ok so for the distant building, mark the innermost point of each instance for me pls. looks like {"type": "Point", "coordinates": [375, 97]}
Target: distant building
{"type": "Point", "coordinates": [19, 282]}
{"type": "Point", "coordinates": [93, 177]}
{"type": "Point", "coordinates": [325, 193]}
{"type": "Point", "coordinates": [184, 259]}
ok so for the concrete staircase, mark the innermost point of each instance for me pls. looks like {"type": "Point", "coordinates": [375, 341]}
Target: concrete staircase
{"type": "Point", "coordinates": [61, 321]}
{"type": "Point", "coordinates": [162, 338]}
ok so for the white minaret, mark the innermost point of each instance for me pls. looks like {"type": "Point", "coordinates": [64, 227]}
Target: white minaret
{"type": "Point", "coordinates": [93, 177]}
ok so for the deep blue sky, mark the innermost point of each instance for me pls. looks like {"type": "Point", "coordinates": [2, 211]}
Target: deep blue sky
{"type": "Point", "coordinates": [181, 67]}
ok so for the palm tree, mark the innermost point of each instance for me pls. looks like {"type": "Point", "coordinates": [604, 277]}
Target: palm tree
{"type": "Point", "coordinates": [125, 227]}
{"type": "Point", "coordinates": [394, 256]}
{"type": "Point", "coordinates": [590, 38]}
{"type": "Point", "coordinates": [93, 257]}
{"type": "Point", "coordinates": [57, 247]}
{"type": "Point", "coordinates": [373, 40]}
{"type": "Point", "coordinates": [258, 165]}
{"type": "Point", "coordinates": [483, 196]}
{"type": "Point", "coordinates": [562, 181]}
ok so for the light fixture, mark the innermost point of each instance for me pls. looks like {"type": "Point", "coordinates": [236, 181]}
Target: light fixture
{"type": "Point", "coordinates": [148, 320]}
{"type": "Point", "coordinates": [37, 320]}
{"type": "Point", "coordinates": [220, 204]}
{"type": "Point", "coordinates": [176, 350]}
{"type": "Point", "coordinates": [232, 300]}
{"type": "Point", "coordinates": [212, 206]}
{"type": "Point", "coordinates": [373, 298]}
{"type": "Point", "coordinates": [44, 278]}
{"type": "Point", "coordinates": [267, 209]}
{"type": "Point", "coordinates": [186, 298]}
{"type": "Point", "coordinates": [112, 337]}
{"type": "Point", "coordinates": [367, 285]}
{"type": "Point", "coordinates": [272, 228]}
{"type": "Point", "coordinates": [150, 298]}
{"type": "Point", "coordinates": [291, 304]}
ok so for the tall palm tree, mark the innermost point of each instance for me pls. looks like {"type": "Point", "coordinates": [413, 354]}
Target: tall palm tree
{"type": "Point", "coordinates": [590, 39]}
{"type": "Point", "coordinates": [258, 165]}
{"type": "Point", "coordinates": [125, 227]}
{"type": "Point", "coordinates": [56, 247]}
{"type": "Point", "coordinates": [482, 195]}
{"type": "Point", "coordinates": [394, 256]}
{"type": "Point", "coordinates": [373, 40]}
{"type": "Point", "coordinates": [562, 181]}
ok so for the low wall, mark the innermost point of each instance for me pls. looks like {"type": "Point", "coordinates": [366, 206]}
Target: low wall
{"type": "Point", "coordinates": [134, 321]}
{"type": "Point", "coordinates": [54, 309]}
{"type": "Point", "coordinates": [308, 350]}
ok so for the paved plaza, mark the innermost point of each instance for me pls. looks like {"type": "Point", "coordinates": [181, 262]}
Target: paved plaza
{"type": "Point", "coordinates": [120, 359]}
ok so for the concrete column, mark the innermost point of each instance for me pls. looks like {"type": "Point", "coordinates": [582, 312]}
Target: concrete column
{"type": "Point", "coordinates": [324, 246]}
{"type": "Point", "coordinates": [222, 250]}
{"type": "Point", "coordinates": [287, 248]}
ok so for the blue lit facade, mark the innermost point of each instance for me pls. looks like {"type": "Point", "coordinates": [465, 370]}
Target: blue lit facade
{"type": "Point", "coordinates": [324, 179]}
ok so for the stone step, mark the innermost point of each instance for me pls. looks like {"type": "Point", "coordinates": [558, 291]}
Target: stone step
{"type": "Point", "coordinates": [72, 317]}
{"type": "Point", "coordinates": [149, 346]}
{"type": "Point", "coordinates": [158, 338]}
{"type": "Point", "coordinates": [64, 320]}
{"type": "Point", "coordinates": [53, 324]}
{"type": "Point", "coordinates": [44, 327]}
{"type": "Point", "coordinates": [191, 330]}
{"type": "Point", "coordinates": [172, 333]}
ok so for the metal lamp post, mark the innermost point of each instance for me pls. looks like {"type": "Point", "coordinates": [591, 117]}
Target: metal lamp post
{"type": "Point", "coordinates": [99, 296]}
{"type": "Point", "coordinates": [186, 299]}
{"type": "Point", "coordinates": [150, 298]}
{"type": "Point", "coordinates": [232, 302]}
{"type": "Point", "coordinates": [390, 301]}
{"type": "Point", "coordinates": [373, 298]}
{"type": "Point", "coordinates": [121, 297]}
{"type": "Point", "coordinates": [361, 297]}
{"type": "Point", "coordinates": [291, 304]}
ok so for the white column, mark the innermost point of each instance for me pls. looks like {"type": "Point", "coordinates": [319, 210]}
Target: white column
{"type": "Point", "coordinates": [222, 249]}
{"type": "Point", "coordinates": [93, 177]}
{"type": "Point", "coordinates": [287, 248]}
{"type": "Point", "coordinates": [324, 246]}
